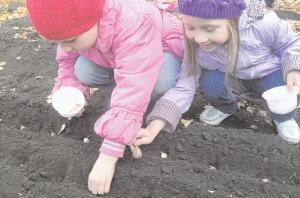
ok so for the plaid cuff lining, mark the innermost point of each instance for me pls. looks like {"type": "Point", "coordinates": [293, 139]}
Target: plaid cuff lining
{"type": "Point", "coordinates": [256, 9]}
{"type": "Point", "coordinates": [289, 64]}
{"type": "Point", "coordinates": [168, 111]}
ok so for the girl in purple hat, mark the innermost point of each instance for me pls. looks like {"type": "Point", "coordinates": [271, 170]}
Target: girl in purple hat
{"type": "Point", "coordinates": [231, 48]}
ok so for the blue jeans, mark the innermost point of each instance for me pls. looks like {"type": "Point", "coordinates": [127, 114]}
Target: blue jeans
{"type": "Point", "coordinates": [93, 75]}
{"type": "Point", "coordinates": [213, 89]}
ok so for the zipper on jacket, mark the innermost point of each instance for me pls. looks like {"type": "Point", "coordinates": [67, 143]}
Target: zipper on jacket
{"type": "Point", "coordinates": [252, 72]}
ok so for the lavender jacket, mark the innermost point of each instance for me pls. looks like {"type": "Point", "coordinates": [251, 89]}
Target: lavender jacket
{"type": "Point", "coordinates": [267, 44]}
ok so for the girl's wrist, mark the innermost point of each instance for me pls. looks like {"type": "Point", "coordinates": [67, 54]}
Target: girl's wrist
{"type": "Point", "coordinates": [108, 158]}
{"type": "Point", "coordinates": [156, 126]}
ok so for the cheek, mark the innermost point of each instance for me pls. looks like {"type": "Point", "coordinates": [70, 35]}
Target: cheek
{"type": "Point", "coordinates": [189, 35]}
{"type": "Point", "coordinates": [221, 37]}
{"type": "Point", "coordinates": [85, 43]}
{"type": "Point", "coordinates": [226, 35]}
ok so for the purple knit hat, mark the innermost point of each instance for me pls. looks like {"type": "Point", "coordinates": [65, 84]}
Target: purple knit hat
{"type": "Point", "coordinates": [212, 9]}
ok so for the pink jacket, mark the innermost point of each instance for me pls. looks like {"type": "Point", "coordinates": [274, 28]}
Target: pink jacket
{"type": "Point", "coordinates": [132, 37]}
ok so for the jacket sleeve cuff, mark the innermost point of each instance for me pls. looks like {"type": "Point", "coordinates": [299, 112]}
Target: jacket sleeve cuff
{"type": "Point", "coordinates": [168, 111]}
{"type": "Point", "coordinates": [256, 9]}
{"type": "Point", "coordinates": [112, 148]}
{"type": "Point", "coordinates": [289, 64]}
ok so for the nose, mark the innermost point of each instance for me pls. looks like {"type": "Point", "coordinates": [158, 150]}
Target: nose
{"type": "Point", "coordinates": [200, 38]}
{"type": "Point", "coordinates": [65, 47]}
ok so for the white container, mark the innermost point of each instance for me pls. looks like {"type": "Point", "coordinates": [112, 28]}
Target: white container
{"type": "Point", "coordinates": [280, 100]}
{"type": "Point", "coordinates": [68, 101]}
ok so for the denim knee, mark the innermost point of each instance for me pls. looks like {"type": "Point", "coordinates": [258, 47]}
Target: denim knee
{"type": "Point", "coordinates": [212, 85]}
{"type": "Point", "coordinates": [168, 75]}
{"type": "Point", "coordinates": [210, 91]}
{"type": "Point", "coordinates": [81, 71]}
{"type": "Point", "coordinates": [214, 90]}
{"type": "Point", "coordinates": [91, 74]}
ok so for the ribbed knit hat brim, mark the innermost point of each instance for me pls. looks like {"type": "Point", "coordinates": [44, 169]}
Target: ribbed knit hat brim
{"type": "Point", "coordinates": [212, 9]}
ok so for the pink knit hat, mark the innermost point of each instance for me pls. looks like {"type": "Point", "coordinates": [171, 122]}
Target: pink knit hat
{"type": "Point", "coordinates": [64, 19]}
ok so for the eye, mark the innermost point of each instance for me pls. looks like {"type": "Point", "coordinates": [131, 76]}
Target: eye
{"type": "Point", "coordinates": [189, 28]}
{"type": "Point", "coordinates": [73, 40]}
{"type": "Point", "coordinates": [210, 29]}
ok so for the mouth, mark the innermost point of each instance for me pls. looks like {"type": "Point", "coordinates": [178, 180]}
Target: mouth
{"type": "Point", "coordinates": [205, 45]}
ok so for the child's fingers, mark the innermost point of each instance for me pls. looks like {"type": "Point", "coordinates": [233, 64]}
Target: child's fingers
{"type": "Point", "coordinates": [90, 185]}
{"type": "Point", "coordinates": [290, 83]}
{"type": "Point", "coordinates": [134, 143]}
{"type": "Point", "coordinates": [293, 78]}
{"type": "Point", "coordinates": [131, 147]}
{"type": "Point", "coordinates": [297, 83]}
{"type": "Point", "coordinates": [79, 114]}
{"type": "Point", "coordinates": [141, 134]}
{"type": "Point", "coordinates": [141, 141]}
{"type": "Point", "coordinates": [94, 188]}
{"type": "Point", "coordinates": [101, 190]}
{"type": "Point", "coordinates": [107, 187]}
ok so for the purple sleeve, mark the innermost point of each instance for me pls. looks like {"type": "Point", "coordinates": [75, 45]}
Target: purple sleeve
{"type": "Point", "coordinates": [278, 34]}
{"type": "Point", "coordinates": [177, 100]}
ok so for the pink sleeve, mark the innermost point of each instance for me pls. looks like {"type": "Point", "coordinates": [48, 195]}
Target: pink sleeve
{"type": "Point", "coordinates": [66, 75]}
{"type": "Point", "coordinates": [173, 39]}
{"type": "Point", "coordinates": [138, 51]}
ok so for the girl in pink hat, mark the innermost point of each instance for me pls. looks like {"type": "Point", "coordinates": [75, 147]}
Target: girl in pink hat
{"type": "Point", "coordinates": [130, 46]}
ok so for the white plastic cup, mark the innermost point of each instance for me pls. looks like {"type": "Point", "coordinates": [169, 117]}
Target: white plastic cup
{"type": "Point", "coordinates": [68, 101]}
{"type": "Point", "coordinates": [280, 100]}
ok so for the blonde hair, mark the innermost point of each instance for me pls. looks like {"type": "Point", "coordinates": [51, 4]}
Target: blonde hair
{"type": "Point", "coordinates": [232, 47]}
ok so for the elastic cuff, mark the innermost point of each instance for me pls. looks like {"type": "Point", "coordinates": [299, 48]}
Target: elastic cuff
{"type": "Point", "coordinates": [256, 9]}
{"type": "Point", "coordinates": [289, 64]}
{"type": "Point", "coordinates": [112, 148]}
{"type": "Point", "coordinates": [168, 111]}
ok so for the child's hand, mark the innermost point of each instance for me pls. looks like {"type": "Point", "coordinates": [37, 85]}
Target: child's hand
{"type": "Point", "coordinates": [102, 174]}
{"type": "Point", "coordinates": [293, 78]}
{"type": "Point", "coordinates": [80, 112]}
{"type": "Point", "coordinates": [145, 136]}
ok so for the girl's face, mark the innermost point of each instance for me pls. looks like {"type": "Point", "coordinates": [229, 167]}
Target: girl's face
{"type": "Point", "coordinates": [82, 42]}
{"type": "Point", "coordinates": [208, 33]}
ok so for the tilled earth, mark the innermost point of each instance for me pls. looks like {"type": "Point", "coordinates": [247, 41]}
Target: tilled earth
{"type": "Point", "coordinates": [242, 157]}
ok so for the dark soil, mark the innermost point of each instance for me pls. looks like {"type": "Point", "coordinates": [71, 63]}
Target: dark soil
{"type": "Point", "coordinates": [203, 161]}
